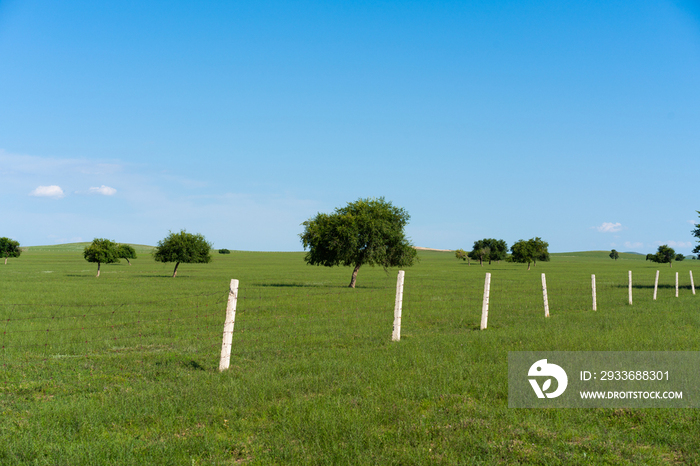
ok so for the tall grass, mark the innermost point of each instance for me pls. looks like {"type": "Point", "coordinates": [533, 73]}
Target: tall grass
{"type": "Point", "coordinates": [314, 377]}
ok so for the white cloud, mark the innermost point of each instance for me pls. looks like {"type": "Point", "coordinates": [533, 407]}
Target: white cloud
{"type": "Point", "coordinates": [48, 191]}
{"type": "Point", "coordinates": [631, 245]}
{"type": "Point", "coordinates": [608, 227]}
{"type": "Point", "coordinates": [104, 190]}
{"type": "Point", "coordinates": [677, 244]}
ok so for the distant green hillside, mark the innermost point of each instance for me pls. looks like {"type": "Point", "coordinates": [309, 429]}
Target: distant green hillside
{"type": "Point", "coordinates": [595, 255]}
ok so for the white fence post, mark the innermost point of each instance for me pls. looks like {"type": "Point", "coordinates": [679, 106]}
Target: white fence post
{"type": "Point", "coordinates": [544, 295]}
{"type": "Point", "coordinates": [396, 335]}
{"type": "Point", "coordinates": [656, 284]}
{"type": "Point", "coordinates": [485, 305]}
{"type": "Point", "coordinates": [630, 286]}
{"type": "Point", "coordinates": [676, 284]}
{"type": "Point", "coordinates": [692, 284]}
{"type": "Point", "coordinates": [228, 326]}
{"type": "Point", "coordinates": [595, 308]}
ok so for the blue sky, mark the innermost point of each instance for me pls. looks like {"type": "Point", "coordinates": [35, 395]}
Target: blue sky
{"type": "Point", "coordinates": [578, 122]}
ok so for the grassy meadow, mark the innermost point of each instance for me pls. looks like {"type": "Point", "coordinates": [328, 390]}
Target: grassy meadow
{"type": "Point", "coordinates": [123, 369]}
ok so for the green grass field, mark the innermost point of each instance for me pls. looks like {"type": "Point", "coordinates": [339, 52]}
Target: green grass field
{"type": "Point", "coordinates": [123, 369]}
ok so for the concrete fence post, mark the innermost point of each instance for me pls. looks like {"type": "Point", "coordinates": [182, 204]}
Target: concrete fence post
{"type": "Point", "coordinates": [396, 335]}
{"type": "Point", "coordinates": [228, 326]}
{"type": "Point", "coordinates": [485, 304]}
{"type": "Point", "coordinates": [544, 296]}
{"type": "Point", "coordinates": [656, 284]}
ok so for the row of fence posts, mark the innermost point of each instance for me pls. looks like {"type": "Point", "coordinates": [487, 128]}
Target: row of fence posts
{"type": "Point", "coordinates": [396, 334]}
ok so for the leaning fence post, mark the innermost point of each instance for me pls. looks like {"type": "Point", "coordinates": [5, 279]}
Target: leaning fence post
{"type": "Point", "coordinates": [228, 326]}
{"type": "Point", "coordinates": [595, 308]}
{"type": "Point", "coordinates": [544, 295]}
{"type": "Point", "coordinates": [396, 335]}
{"type": "Point", "coordinates": [485, 305]}
{"type": "Point", "coordinates": [676, 284]}
{"type": "Point", "coordinates": [629, 287]}
{"type": "Point", "coordinates": [656, 284]}
{"type": "Point", "coordinates": [692, 284]}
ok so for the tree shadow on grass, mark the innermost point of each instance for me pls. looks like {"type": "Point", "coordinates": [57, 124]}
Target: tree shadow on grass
{"type": "Point", "coordinates": [651, 287]}
{"type": "Point", "coordinates": [165, 276]}
{"type": "Point", "coordinates": [313, 285]}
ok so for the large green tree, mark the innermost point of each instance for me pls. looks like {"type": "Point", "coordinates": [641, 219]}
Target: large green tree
{"type": "Point", "coordinates": [183, 247]}
{"type": "Point", "coordinates": [530, 251]}
{"type": "Point", "coordinates": [9, 248]}
{"type": "Point", "coordinates": [664, 255]}
{"type": "Point", "coordinates": [126, 251]}
{"type": "Point", "coordinates": [481, 252]}
{"type": "Point", "coordinates": [365, 232]}
{"type": "Point", "coordinates": [102, 251]}
{"type": "Point", "coordinates": [498, 249]}
{"type": "Point", "coordinates": [614, 254]}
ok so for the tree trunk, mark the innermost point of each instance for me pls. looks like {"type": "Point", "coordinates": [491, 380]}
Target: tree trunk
{"type": "Point", "coordinates": [127, 261]}
{"type": "Point", "coordinates": [354, 276]}
{"type": "Point", "coordinates": [528, 266]}
{"type": "Point", "coordinates": [6, 261]}
{"type": "Point", "coordinates": [175, 271]}
{"type": "Point", "coordinates": [98, 270]}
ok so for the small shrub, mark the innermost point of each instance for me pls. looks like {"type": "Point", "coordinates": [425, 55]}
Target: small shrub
{"type": "Point", "coordinates": [224, 251]}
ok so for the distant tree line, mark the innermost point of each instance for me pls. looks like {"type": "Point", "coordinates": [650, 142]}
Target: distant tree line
{"type": "Point", "coordinates": [665, 255]}
{"type": "Point", "coordinates": [179, 248]}
{"type": "Point", "coordinates": [523, 251]}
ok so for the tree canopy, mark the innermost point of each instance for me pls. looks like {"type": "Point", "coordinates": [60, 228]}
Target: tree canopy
{"type": "Point", "coordinates": [9, 248]}
{"type": "Point", "coordinates": [183, 247]}
{"type": "Point", "coordinates": [614, 254]}
{"type": "Point", "coordinates": [365, 232]}
{"type": "Point", "coordinates": [125, 251]}
{"type": "Point", "coordinates": [481, 251]}
{"type": "Point", "coordinates": [101, 250]}
{"type": "Point", "coordinates": [530, 251]}
{"type": "Point", "coordinates": [498, 248]}
{"type": "Point", "coordinates": [664, 255]}
{"type": "Point", "coordinates": [462, 254]}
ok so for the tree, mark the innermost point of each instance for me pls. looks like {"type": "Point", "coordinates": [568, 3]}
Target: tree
{"type": "Point", "coordinates": [696, 233]}
{"type": "Point", "coordinates": [480, 251]}
{"type": "Point", "coordinates": [541, 250]}
{"type": "Point", "coordinates": [125, 251]}
{"type": "Point", "coordinates": [679, 257]}
{"type": "Point", "coordinates": [9, 248]}
{"type": "Point", "coordinates": [650, 257]}
{"type": "Point", "coordinates": [183, 247]}
{"type": "Point", "coordinates": [530, 251]}
{"type": "Point", "coordinates": [224, 251]}
{"type": "Point", "coordinates": [664, 255]}
{"type": "Point", "coordinates": [614, 254]}
{"type": "Point", "coordinates": [522, 252]}
{"type": "Point", "coordinates": [101, 250]}
{"type": "Point", "coordinates": [462, 254]}
{"type": "Point", "coordinates": [365, 232]}
{"type": "Point", "coordinates": [499, 249]}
